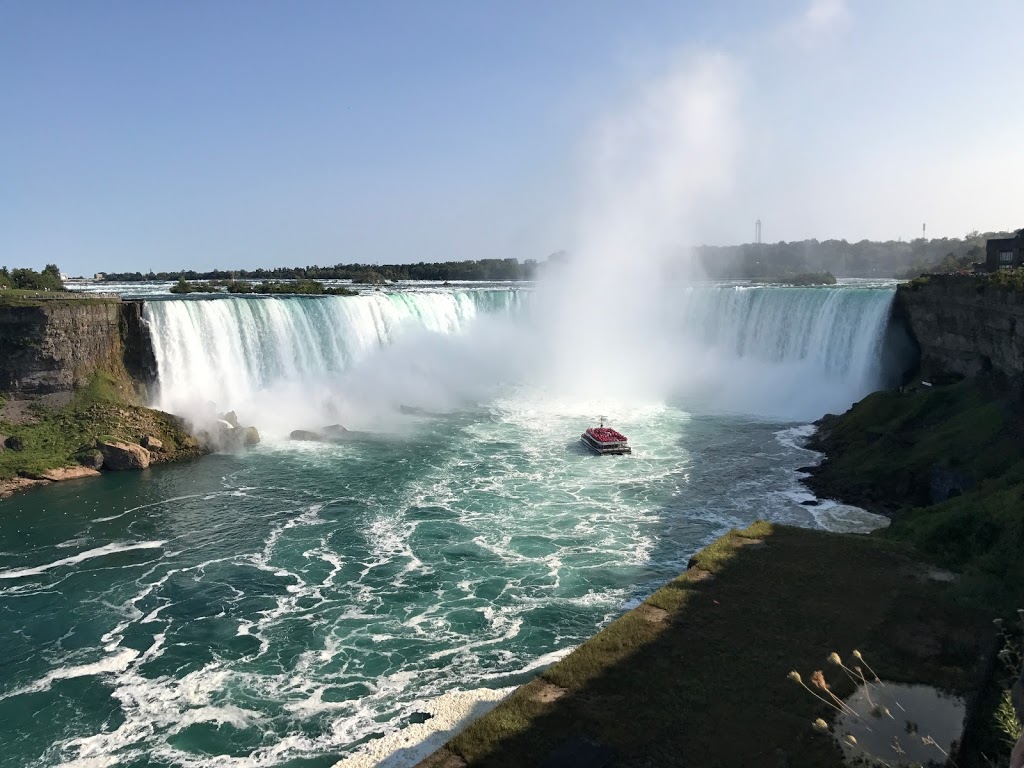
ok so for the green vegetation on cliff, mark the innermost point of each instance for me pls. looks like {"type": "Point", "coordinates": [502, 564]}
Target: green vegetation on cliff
{"type": "Point", "coordinates": [49, 433]}
{"type": "Point", "coordinates": [947, 463]}
{"type": "Point", "coordinates": [1011, 279]}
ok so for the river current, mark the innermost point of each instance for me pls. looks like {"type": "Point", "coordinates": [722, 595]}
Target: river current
{"type": "Point", "coordinates": [286, 605]}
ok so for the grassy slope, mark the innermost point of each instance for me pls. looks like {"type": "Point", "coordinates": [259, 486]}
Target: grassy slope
{"type": "Point", "coordinates": [882, 451]}
{"type": "Point", "coordinates": [104, 407]}
{"type": "Point", "coordinates": [708, 686]}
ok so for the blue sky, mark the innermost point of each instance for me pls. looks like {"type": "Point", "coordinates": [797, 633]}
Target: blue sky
{"type": "Point", "coordinates": [243, 134]}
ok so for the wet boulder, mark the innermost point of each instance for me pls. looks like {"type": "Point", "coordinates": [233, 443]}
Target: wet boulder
{"type": "Point", "coordinates": [251, 436]}
{"type": "Point", "coordinates": [121, 455]}
{"type": "Point", "coordinates": [306, 435]}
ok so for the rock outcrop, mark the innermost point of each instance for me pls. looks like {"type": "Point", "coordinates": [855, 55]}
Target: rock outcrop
{"type": "Point", "coordinates": [964, 325]}
{"type": "Point", "coordinates": [137, 345]}
{"type": "Point", "coordinates": [228, 435]}
{"type": "Point", "coordinates": [119, 455]}
{"type": "Point", "coordinates": [151, 443]}
{"type": "Point", "coordinates": [90, 457]}
{"type": "Point", "coordinates": [66, 473]}
{"type": "Point", "coordinates": [334, 433]}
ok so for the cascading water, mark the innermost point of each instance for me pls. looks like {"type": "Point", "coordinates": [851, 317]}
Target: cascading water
{"type": "Point", "coordinates": [736, 348]}
{"type": "Point", "coordinates": [785, 352]}
{"type": "Point", "coordinates": [835, 331]}
{"type": "Point", "coordinates": [229, 351]}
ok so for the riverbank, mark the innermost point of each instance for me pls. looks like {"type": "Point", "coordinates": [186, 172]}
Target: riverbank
{"type": "Point", "coordinates": [946, 464]}
{"type": "Point", "coordinates": [74, 370]}
{"type": "Point", "coordinates": [72, 435]}
{"type": "Point", "coordinates": [698, 673]}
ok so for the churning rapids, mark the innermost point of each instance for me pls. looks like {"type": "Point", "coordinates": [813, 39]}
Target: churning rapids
{"type": "Point", "coordinates": [286, 605]}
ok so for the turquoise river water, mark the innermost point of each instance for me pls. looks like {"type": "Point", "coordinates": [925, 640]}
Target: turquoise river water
{"type": "Point", "coordinates": [286, 605]}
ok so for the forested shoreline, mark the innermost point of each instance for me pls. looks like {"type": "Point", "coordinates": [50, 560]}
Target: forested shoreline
{"type": "Point", "coordinates": [866, 258]}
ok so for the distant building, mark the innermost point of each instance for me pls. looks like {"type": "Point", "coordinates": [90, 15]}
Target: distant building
{"type": "Point", "coordinates": [99, 276]}
{"type": "Point", "coordinates": [1004, 252]}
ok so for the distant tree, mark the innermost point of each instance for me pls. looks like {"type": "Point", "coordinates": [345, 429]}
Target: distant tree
{"type": "Point", "coordinates": [30, 280]}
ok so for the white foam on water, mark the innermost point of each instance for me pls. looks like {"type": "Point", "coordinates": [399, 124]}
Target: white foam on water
{"type": "Point", "coordinates": [449, 714]}
{"type": "Point", "coordinates": [106, 549]}
{"type": "Point", "coordinates": [161, 503]}
{"type": "Point", "coordinates": [846, 518]}
{"type": "Point", "coordinates": [796, 437]}
{"type": "Point", "coordinates": [115, 662]}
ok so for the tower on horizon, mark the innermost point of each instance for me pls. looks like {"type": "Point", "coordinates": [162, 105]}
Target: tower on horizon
{"type": "Point", "coordinates": [757, 232]}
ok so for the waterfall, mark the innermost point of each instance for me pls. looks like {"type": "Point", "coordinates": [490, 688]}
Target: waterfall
{"type": "Point", "coordinates": [834, 331]}
{"type": "Point", "coordinates": [767, 350]}
{"type": "Point", "coordinates": [226, 351]}
{"type": "Point", "coordinates": [789, 351]}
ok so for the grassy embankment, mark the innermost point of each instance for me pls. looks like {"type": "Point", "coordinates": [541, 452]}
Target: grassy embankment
{"type": "Point", "coordinates": [52, 436]}
{"type": "Point", "coordinates": [697, 676]}
{"type": "Point", "coordinates": [894, 451]}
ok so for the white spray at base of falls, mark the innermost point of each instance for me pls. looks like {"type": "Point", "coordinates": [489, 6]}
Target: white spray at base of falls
{"type": "Point", "coordinates": [295, 362]}
{"type": "Point", "coordinates": [278, 361]}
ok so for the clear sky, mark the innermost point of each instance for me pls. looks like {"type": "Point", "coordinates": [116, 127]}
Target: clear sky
{"type": "Point", "coordinates": [167, 135]}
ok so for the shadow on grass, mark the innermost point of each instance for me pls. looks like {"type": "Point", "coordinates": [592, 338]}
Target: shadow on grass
{"type": "Point", "coordinates": [697, 675]}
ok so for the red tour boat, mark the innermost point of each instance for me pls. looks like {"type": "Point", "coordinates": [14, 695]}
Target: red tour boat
{"type": "Point", "coordinates": [604, 440]}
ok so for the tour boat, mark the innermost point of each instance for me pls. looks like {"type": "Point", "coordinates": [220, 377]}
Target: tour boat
{"type": "Point", "coordinates": [604, 440]}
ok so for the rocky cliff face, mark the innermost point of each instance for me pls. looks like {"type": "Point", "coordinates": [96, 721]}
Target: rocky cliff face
{"type": "Point", "coordinates": [964, 325]}
{"type": "Point", "coordinates": [55, 346]}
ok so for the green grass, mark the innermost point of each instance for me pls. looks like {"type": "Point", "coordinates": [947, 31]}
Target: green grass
{"type": "Point", "coordinates": [707, 686]}
{"type": "Point", "coordinates": [883, 450]}
{"type": "Point", "coordinates": [104, 407]}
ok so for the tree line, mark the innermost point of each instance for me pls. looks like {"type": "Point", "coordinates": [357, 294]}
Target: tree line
{"type": "Point", "coordinates": [866, 258]}
{"type": "Point", "coordinates": [482, 269]}
{"type": "Point", "coordinates": [764, 261]}
{"type": "Point", "coordinates": [30, 280]}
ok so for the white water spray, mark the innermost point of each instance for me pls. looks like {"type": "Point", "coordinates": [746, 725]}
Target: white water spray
{"type": "Point", "coordinates": [650, 167]}
{"type": "Point", "coordinates": [288, 363]}
{"type": "Point", "coordinates": [607, 325]}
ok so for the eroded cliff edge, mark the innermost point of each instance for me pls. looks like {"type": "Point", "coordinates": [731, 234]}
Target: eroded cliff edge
{"type": "Point", "coordinates": [964, 325]}
{"type": "Point", "coordinates": [74, 372]}
{"type": "Point", "coordinates": [57, 345]}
